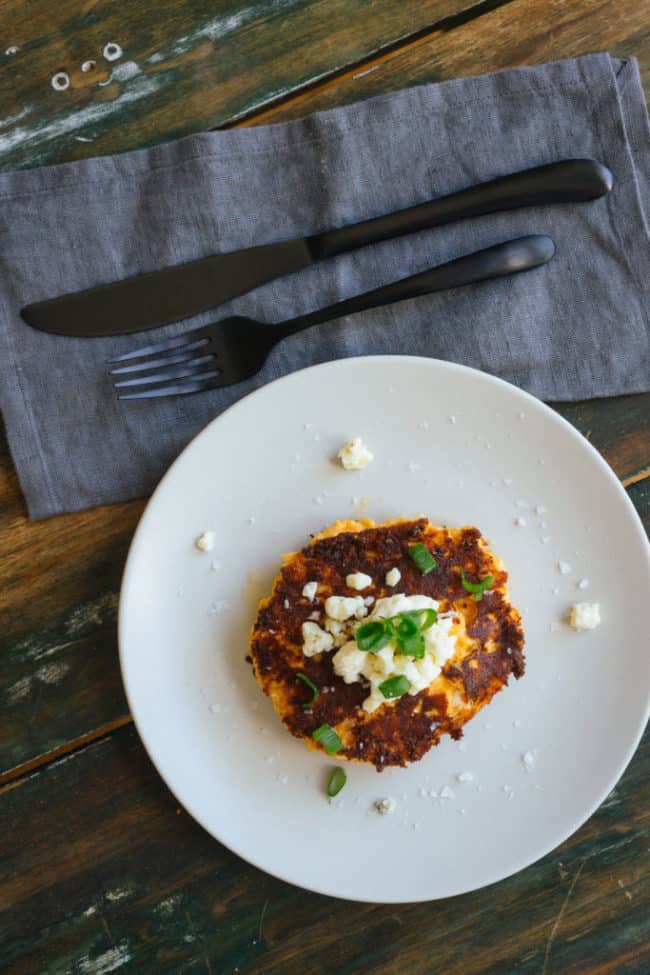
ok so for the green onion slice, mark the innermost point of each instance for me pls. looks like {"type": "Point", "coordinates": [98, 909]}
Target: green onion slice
{"type": "Point", "coordinates": [395, 686]}
{"type": "Point", "coordinates": [336, 781]}
{"type": "Point", "coordinates": [328, 738]}
{"type": "Point", "coordinates": [412, 646]}
{"type": "Point", "coordinates": [422, 558]}
{"type": "Point", "coordinates": [406, 626]}
{"type": "Point", "coordinates": [423, 618]}
{"type": "Point", "coordinates": [373, 636]}
{"type": "Point", "coordinates": [476, 588]}
{"type": "Point", "coordinates": [312, 687]}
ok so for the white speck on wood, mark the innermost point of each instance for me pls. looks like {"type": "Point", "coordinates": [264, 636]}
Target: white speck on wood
{"type": "Point", "coordinates": [118, 894]}
{"type": "Point", "coordinates": [60, 81]}
{"type": "Point", "coordinates": [89, 911]}
{"type": "Point", "coordinates": [168, 905]}
{"type": "Point", "coordinates": [109, 961]}
{"type": "Point", "coordinates": [558, 919]}
{"type": "Point", "coordinates": [52, 673]}
{"type": "Point", "coordinates": [55, 127]}
{"type": "Point", "coordinates": [112, 51]}
{"type": "Point", "coordinates": [19, 691]}
{"type": "Point", "coordinates": [11, 50]}
{"type": "Point", "coordinates": [121, 72]}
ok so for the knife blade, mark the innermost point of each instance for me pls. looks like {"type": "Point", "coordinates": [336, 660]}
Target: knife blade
{"type": "Point", "coordinates": [158, 297]}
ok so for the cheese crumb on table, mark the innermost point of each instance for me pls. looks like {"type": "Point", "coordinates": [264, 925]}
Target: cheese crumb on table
{"type": "Point", "coordinates": [563, 568]}
{"type": "Point", "coordinates": [205, 541]}
{"type": "Point", "coordinates": [585, 616]}
{"type": "Point", "coordinates": [354, 455]}
{"type": "Point", "coordinates": [385, 806]}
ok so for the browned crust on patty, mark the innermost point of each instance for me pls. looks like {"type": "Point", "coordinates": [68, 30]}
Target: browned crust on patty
{"type": "Point", "coordinates": [403, 731]}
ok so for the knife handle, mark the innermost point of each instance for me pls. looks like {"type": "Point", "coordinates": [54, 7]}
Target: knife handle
{"type": "Point", "coordinates": [569, 181]}
{"type": "Point", "coordinates": [520, 254]}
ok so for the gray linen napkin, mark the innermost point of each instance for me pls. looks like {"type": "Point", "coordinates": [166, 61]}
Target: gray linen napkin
{"type": "Point", "coordinates": [577, 328]}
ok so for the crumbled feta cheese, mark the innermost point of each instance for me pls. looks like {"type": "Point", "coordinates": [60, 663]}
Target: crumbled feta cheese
{"type": "Point", "coordinates": [354, 455]}
{"type": "Point", "coordinates": [358, 581]}
{"type": "Point", "coordinates": [353, 664]}
{"type": "Point", "coordinates": [452, 419]}
{"type": "Point", "coordinates": [309, 590]}
{"type": "Point", "coordinates": [315, 640]}
{"type": "Point", "coordinates": [520, 522]}
{"type": "Point", "coordinates": [393, 576]}
{"type": "Point", "coordinates": [205, 541]}
{"type": "Point", "coordinates": [563, 568]}
{"type": "Point", "coordinates": [368, 600]}
{"type": "Point", "coordinates": [287, 604]}
{"type": "Point", "coordinates": [465, 777]}
{"type": "Point", "coordinates": [529, 761]}
{"type": "Point", "coordinates": [385, 806]}
{"type": "Point", "coordinates": [339, 631]}
{"type": "Point", "coordinates": [343, 607]}
{"type": "Point", "coordinates": [585, 616]}
{"type": "Point", "coordinates": [583, 584]}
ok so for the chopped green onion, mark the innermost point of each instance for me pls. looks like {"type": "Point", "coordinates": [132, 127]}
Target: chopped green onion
{"type": "Point", "coordinates": [422, 558]}
{"type": "Point", "coordinates": [373, 636]}
{"type": "Point", "coordinates": [336, 781]}
{"type": "Point", "coordinates": [476, 588]}
{"type": "Point", "coordinates": [395, 686]}
{"type": "Point", "coordinates": [424, 618]}
{"type": "Point", "coordinates": [312, 687]}
{"type": "Point", "coordinates": [328, 739]}
{"type": "Point", "coordinates": [412, 646]}
{"type": "Point", "coordinates": [406, 626]}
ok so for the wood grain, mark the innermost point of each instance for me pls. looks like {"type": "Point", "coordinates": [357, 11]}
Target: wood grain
{"type": "Point", "coordinates": [126, 875]}
{"type": "Point", "coordinates": [523, 32]}
{"type": "Point", "coordinates": [185, 67]}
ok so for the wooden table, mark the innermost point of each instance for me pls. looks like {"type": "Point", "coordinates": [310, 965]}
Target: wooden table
{"type": "Point", "coordinates": [100, 871]}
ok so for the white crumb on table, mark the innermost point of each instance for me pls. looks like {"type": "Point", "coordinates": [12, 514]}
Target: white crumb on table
{"type": "Point", "coordinates": [564, 568]}
{"type": "Point", "coordinates": [583, 584]}
{"type": "Point", "coordinates": [385, 806]}
{"type": "Point", "coordinates": [354, 455]}
{"type": "Point", "coordinates": [529, 761]}
{"type": "Point", "coordinates": [447, 793]}
{"type": "Point", "coordinates": [585, 616]}
{"type": "Point", "coordinates": [215, 708]}
{"type": "Point", "coordinates": [520, 522]}
{"type": "Point", "coordinates": [453, 419]}
{"type": "Point", "coordinates": [540, 509]}
{"type": "Point", "coordinates": [218, 606]}
{"type": "Point", "coordinates": [465, 777]}
{"type": "Point", "coordinates": [205, 541]}
{"type": "Point", "coordinates": [507, 481]}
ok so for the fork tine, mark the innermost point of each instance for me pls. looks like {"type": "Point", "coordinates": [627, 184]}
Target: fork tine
{"type": "Point", "coordinates": [198, 384]}
{"type": "Point", "coordinates": [201, 338]}
{"type": "Point", "coordinates": [191, 368]}
{"type": "Point", "coordinates": [152, 362]}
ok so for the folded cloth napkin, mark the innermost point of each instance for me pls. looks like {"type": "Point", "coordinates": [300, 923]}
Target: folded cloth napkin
{"type": "Point", "coordinates": [577, 328]}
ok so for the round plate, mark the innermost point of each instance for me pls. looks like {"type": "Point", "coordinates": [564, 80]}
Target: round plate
{"type": "Point", "coordinates": [462, 448]}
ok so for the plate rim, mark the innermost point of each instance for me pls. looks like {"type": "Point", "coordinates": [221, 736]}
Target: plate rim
{"type": "Point", "coordinates": [352, 361]}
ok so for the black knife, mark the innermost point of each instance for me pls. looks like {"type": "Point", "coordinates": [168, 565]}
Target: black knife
{"type": "Point", "coordinates": [173, 293]}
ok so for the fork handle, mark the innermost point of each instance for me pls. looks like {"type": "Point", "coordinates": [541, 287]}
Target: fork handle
{"type": "Point", "coordinates": [520, 254]}
{"type": "Point", "coordinates": [567, 181]}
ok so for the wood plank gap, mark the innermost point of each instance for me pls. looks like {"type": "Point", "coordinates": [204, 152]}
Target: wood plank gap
{"type": "Point", "coordinates": [257, 116]}
{"type": "Point", "coordinates": [11, 778]}
{"type": "Point", "coordinates": [636, 478]}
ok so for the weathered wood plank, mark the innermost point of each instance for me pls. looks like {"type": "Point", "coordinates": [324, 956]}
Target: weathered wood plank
{"type": "Point", "coordinates": [523, 32]}
{"type": "Point", "coordinates": [185, 67]}
{"type": "Point", "coordinates": [122, 876]}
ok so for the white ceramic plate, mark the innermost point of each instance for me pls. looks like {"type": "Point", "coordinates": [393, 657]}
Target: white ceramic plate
{"type": "Point", "coordinates": [462, 448]}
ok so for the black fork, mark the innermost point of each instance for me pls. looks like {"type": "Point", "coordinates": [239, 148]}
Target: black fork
{"type": "Point", "coordinates": [235, 348]}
